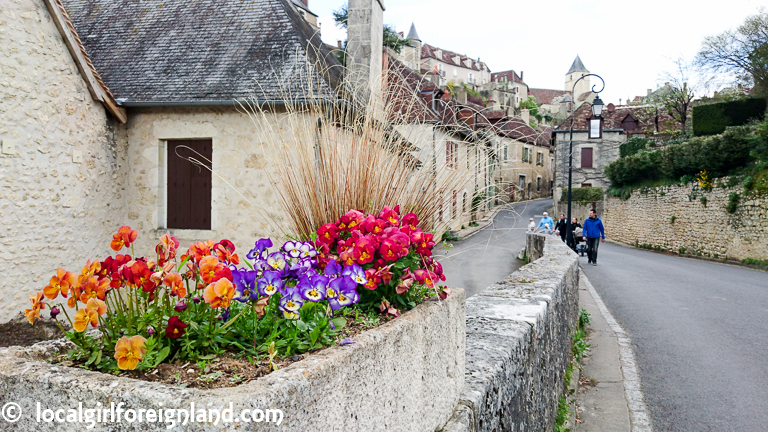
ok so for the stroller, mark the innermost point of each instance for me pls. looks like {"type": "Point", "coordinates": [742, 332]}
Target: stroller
{"type": "Point", "coordinates": [581, 248]}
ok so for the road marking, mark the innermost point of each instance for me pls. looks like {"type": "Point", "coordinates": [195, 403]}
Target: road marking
{"type": "Point", "coordinates": [638, 412]}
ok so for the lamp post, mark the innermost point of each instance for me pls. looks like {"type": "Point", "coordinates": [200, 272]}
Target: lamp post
{"type": "Point", "coordinates": [597, 109]}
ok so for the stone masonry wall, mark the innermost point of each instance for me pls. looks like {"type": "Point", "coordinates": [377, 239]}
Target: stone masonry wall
{"type": "Point", "coordinates": [244, 207]}
{"type": "Point", "coordinates": [706, 230]}
{"type": "Point", "coordinates": [62, 160]}
{"type": "Point", "coordinates": [519, 344]}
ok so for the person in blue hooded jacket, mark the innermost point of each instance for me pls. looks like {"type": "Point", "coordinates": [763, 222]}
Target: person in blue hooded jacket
{"type": "Point", "coordinates": [547, 223]}
{"type": "Point", "coordinates": [593, 232]}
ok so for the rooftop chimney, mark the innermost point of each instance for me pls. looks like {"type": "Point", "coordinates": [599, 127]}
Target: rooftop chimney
{"type": "Point", "coordinates": [521, 75]}
{"type": "Point", "coordinates": [365, 27]}
{"type": "Point", "coordinates": [338, 43]}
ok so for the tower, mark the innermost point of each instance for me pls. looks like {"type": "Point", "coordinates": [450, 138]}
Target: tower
{"type": "Point", "coordinates": [413, 52]}
{"type": "Point", "coordinates": [577, 71]}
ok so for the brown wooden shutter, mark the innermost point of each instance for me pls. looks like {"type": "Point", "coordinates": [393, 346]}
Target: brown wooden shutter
{"type": "Point", "coordinates": [189, 185]}
{"type": "Point", "coordinates": [586, 157]}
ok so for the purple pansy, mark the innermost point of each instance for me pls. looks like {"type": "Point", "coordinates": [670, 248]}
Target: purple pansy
{"type": "Point", "coordinates": [244, 284]}
{"type": "Point", "coordinates": [307, 250]}
{"type": "Point", "coordinates": [292, 248]}
{"type": "Point", "coordinates": [341, 292]}
{"type": "Point", "coordinates": [313, 289]}
{"type": "Point", "coordinates": [291, 300]}
{"type": "Point", "coordinates": [270, 283]}
{"type": "Point", "coordinates": [355, 272]}
{"type": "Point", "coordinates": [259, 251]}
{"type": "Point", "coordinates": [332, 268]}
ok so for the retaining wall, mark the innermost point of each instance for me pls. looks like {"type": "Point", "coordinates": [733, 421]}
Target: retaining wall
{"type": "Point", "coordinates": [519, 344]}
{"type": "Point", "coordinates": [674, 217]}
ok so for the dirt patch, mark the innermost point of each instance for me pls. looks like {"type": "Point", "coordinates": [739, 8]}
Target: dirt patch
{"type": "Point", "coordinates": [229, 369]}
{"type": "Point", "coordinates": [18, 332]}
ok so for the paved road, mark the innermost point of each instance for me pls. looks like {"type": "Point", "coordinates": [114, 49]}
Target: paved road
{"type": "Point", "coordinates": [700, 334]}
{"type": "Point", "coordinates": [489, 255]}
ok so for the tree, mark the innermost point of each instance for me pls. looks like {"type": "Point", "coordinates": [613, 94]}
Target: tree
{"type": "Point", "coordinates": [677, 94]}
{"type": "Point", "coordinates": [742, 52]}
{"type": "Point", "coordinates": [532, 107]}
{"type": "Point", "coordinates": [390, 37]}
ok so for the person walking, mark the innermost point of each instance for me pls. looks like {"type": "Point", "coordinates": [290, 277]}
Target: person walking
{"type": "Point", "coordinates": [561, 227]}
{"type": "Point", "coordinates": [593, 231]}
{"type": "Point", "coordinates": [531, 226]}
{"type": "Point", "coordinates": [574, 237]}
{"type": "Point", "coordinates": [547, 223]}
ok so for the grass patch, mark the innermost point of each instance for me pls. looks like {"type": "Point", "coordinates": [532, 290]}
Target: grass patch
{"type": "Point", "coordinates": [755, 261]}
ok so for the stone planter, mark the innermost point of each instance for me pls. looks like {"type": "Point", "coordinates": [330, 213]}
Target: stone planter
{"type": "Point", "coordinates": [403, 376]}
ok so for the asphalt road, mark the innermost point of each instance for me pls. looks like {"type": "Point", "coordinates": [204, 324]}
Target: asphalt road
{"type": "Point", "coordinates": [700, 334]}
{"type": "Point", "coordinates": [489, 255]}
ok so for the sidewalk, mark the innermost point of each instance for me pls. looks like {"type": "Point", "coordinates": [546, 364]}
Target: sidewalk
{"type": "Point", "coordinates": [609, 376]}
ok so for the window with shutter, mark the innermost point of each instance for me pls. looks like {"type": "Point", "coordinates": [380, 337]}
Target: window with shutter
{"type": "Point", "coordinates": [586, 157]}
{"type": "Point", "coordinates": [189, 184]}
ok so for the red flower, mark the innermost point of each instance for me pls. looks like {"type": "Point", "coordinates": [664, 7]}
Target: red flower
{"type": "Point", "coordinates": [373, 280]}
{"type": "Point", "coordinates": [225, 252]}
{"type": "Point", "coordinates": [141, 276]}
{"type": "Point", "coordinates": [425, 277]}
{"type": "Point", "coordinates": [353, 219]}
{"type": "Point", "coordinates": [410, 220]}
{"type": "Point", "coordinates": [328, 233]}
{"type": "Point", "coordinates": [390, 215]}
{"type": "Point", "coordinates": [390, 250]}
{"type": "Point", "coordinates": [176, 328]}
{"type": "Point", "coordinates": [364, 250]}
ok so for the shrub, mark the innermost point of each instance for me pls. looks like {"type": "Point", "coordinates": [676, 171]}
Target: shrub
{"type": "Point", "coordinates": [712, 119]}
{"type": "Point", "coordinates": [583, 194]}
{"type": "Point", "coordinates": [718, 155]}
{"type": "Point", "coordinates": [733, 203]}
{"type": "Point", "coordinates": [634, 145]}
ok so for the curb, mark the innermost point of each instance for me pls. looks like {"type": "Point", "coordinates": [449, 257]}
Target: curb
{"type": "Point", "coordinates": [640, 420]}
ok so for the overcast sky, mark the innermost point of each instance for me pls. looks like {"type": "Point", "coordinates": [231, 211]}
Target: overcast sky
{"type": "Point", "coordinates": [628, 43]}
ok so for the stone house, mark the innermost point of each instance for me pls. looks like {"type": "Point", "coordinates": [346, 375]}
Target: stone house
{"type": "Point", "coordinates": [446, 135]}
{"type": "Point", "coordinates": [524, 161]}
{"type": "Point", "coordinates": [558, 104]}
{"type": "Point", "coordinates": [453, 67]}
{"type": "Point", "coordinates": [591, 155]}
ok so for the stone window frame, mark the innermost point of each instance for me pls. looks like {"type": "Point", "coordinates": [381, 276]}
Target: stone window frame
{"type": "Point", "coordinates": [162, 193]}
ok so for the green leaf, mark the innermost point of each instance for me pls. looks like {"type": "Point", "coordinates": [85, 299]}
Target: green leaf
{"type": "Point", "coordinates": [339, 323]}
{"type": "Point", "coordinates": [207, 357]}
{"type": "Point", "coordinates": [162, 355]}
{"type": "Point", "coordinates": [93, 357]}
{"type": "Point", "coordinates": [302, 326]}
{"type": "Point", "coordinates": [182, 264]}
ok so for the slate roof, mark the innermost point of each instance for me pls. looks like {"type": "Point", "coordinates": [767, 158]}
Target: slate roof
{"type": "Point", "coordinates": [202, 50]}
{"type": "Point", "coordinates": [577, 66]}
{"type": "Point", "coordinates": [412, 34]}
{"type": "Point", "coordinates": [612, 118]}
{"type": "Point", "coordinates": [429, 51]}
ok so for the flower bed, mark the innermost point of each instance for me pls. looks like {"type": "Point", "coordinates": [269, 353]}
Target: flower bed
{"type": "Point", "coordinates": [278, 304]}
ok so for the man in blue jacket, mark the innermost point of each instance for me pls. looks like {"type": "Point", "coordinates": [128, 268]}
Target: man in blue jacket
{"type": "Point", "coordinates": [593, 232]}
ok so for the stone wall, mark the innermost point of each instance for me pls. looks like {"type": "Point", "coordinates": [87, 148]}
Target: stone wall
{"type": "Point", "coordinates": [519, 344]}
{"type": "Point", "coordinates": [706, 230]}
{"type": "Point", "coordinates": [243, 205]}
{"type": "Point", "coordinates": [62, 166]}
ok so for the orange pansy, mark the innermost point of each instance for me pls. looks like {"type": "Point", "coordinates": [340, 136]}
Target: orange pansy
{"type": "Point", "coordinates": [219, 294]}
{"type": "Point", "coordinates": [130, 351]}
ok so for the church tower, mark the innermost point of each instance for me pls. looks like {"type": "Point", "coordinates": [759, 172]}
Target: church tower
{"type": "Point", "coordinates": [577, 71]}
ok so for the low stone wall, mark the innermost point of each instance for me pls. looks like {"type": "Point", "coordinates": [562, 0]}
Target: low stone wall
{"type": "Point", "coordinates": [519, 344]}
{"type": "Point", "coordinates": [403, 376]}
{"type": "Point", "coordinates": [674, 217]}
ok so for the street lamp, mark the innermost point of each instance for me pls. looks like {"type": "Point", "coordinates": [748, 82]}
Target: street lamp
{"type": "Point", "coordinates": [597, 109]}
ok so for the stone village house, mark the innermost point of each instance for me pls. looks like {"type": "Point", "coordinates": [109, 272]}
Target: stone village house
{"type": "Point", "coordinates": [92, 115]}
